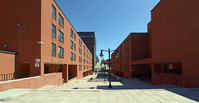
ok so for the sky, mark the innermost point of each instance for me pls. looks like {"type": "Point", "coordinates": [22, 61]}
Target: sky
{"type": "Point", "coordinates": [111, 20]}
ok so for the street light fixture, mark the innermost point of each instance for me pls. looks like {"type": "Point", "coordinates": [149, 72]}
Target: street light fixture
{"type": "Point", "coordinates": [101, 55]}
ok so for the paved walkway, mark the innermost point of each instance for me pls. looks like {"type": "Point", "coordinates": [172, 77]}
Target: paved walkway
{"type": "Point", "coordinates": [127, 91]}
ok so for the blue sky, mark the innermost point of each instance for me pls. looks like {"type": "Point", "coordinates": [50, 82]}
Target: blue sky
{"type": "Point", "coordinates": [111, 20]}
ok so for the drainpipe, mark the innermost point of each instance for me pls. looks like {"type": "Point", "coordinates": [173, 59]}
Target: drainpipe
{"type": "Point", "coordinates": [19, 25]}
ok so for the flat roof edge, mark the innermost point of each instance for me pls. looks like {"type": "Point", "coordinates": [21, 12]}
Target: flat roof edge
{"type": "Point", "coordinates": [139, 33]}
{"type": "Point", "coordinates": [156, 5]}
{"type": "Point", "coordinates": [85, 32]}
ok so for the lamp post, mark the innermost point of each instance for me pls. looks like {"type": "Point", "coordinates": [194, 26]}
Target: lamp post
{"type": "Point", "coordinates": [101, 55]}
{"type": "Point", "coordinates": [104, 71]}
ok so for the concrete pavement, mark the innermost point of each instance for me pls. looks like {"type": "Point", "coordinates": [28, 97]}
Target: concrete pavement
{"type": "Point", "coordinates": [128, 91]}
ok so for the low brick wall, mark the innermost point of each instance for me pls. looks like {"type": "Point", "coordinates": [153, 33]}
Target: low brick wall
{"type": "Point", "coordinates": [163, 78]}
{"type": "Point", "coordinates": [33, 82]}
{"type": "Point", "coordinates": [7, 63]}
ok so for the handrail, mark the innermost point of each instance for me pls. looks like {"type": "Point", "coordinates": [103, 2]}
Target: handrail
{"type": "Point", "coordinates": [17, 75]}
{"type": "Point", "coordinates": [2, 77]}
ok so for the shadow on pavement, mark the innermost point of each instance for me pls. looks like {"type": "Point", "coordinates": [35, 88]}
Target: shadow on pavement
{"type": "Point", "coordinates": [191, 93]}
{"type": "Point", "coordinates": [133, 84]}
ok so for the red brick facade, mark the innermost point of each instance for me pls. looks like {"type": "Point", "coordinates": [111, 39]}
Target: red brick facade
{"type": "Point", "coordinates": [133, 48]}
{"type": "Point", "coordinates": [172, 45]}
{"type": "Point", "coordinates": [7, 62]}
{"type": "Point", "coordinates": [27, 23]}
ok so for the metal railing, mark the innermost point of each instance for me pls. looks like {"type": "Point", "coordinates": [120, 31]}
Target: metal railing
{"type": "Point", "coordinates": [18, 75]}
{"type": "Point", "coordinates": [5, 77]}
{"type": "Point", "coordinates": [2, 77]}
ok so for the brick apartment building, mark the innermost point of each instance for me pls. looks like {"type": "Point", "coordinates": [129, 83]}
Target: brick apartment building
{"type": "Point", "coordinates": [168, 53]}
{"type": "Point", "coordinates": [90, 41]}
{"type": "Point", "coordinates": [134, 47]}
{"type": "Point", "coordinates": [45, 42]}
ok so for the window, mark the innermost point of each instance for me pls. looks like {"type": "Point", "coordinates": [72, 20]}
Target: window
{"type": "Point", "coordinates": [121, 47]}
{"type": "Point", "coordinates": [74, 46]}
{"type": "Point", "coordinates": [71, 33]}
{"type": "Point", "coordinates": [121, 67]}
{"type": "Point", "coordinates": [71, 44]}
{"type": "Point", "coordinates": [82, 36]}
{"type": "Point", "coordinates": [53, 50]}
{"type": "Point", "coordinates": [121, 60]}
{"type": "Point", "coordinates": [84, 54]}
{"type": "Point", "coordinates": [80, 51]}
{"type": "Point", "coordinates": [127, 51]}
{"type": "Point", "coordinates": [173, 68]}
{"type": "Point", "coordinates": [84, 47]}
{"type": "Point", "coordinates": [121, 54]}
{"type": "Point", "coordinates": [61, 36]}
{"type": "Point", "coordinates": [61, 21]}
{"type": "Point", "coordinates": [126, 59]}
{"type": "Point", "coordinates": [74, 57]}
{"type": "Point", "coordinates": [71, 56]}
{"type": "Point", "coordinates": [127, 43]}
{"type": "Point", "coordinates": [84, 60]}
{"type": "Point", "coordinates": [80, 67]}
{"type": "Point", "coordinates": [89, 41]}
{"type": "Point", "coordinates": [80, 59]}
{"type": "Point", "coordinates": [60, 52]}
{"type": "Point", "coordinates": [84, 67]}
{"type": "Point", "coordinates": [53, 31]}
{"type": "Point", "coordinates": [87, 35]}
{"type": "Point", "coordinates": [74, 36]}
{"type": "Point", "coordinates": [126, 67]}
{"type": "Point", "coordinates": [53, 12]}
{"type": "Point", "coordinates": [80, 43]}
